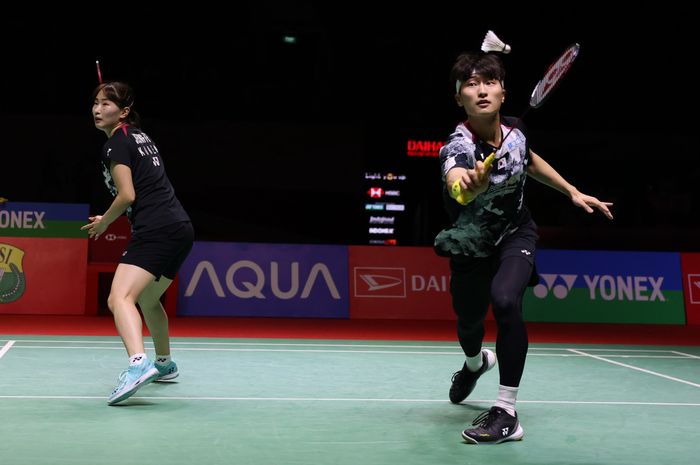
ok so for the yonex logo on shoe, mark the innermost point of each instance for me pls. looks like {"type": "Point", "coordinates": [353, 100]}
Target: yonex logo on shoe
{"type": "Point", "coordinates": [526, 252]}
{"type": "Point", "coordinates": [560, 291]}
{"type": "Point", "coordinates": [505, 431]}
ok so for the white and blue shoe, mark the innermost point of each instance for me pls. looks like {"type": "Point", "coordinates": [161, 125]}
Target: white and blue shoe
{"type": "Point", "coordinates": [167, 372]}
{"type": "Point", "coordinates": [130, 380]}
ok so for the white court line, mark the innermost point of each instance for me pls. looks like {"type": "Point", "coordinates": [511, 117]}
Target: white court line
{"type": "Point", "coordinates": [6, 347]}
{"type": "Point", "coordinates": [637, 368]}
{"type": "Point", "coordinates": [333, 351]}
{"type": "Point", "coordinates": [295, 344]}
{"type": "Point", "coordinates": [273, 344]}
{"type": "Point", "coordinates": [686, 355]}
{"type": "Point", "coordinates": [606, 355]}
{"type": "Point", "coordinates": [364, 399]}
{"type": "Point", "coordinates": [218, 349]}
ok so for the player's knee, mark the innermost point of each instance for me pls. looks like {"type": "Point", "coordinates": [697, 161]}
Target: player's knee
{"type": "Point", "coordinates": [504, 302]}
{"type": "Point", "coordinates": [148, 302]}
{"type": "Point", "coordinates": [114, 301]}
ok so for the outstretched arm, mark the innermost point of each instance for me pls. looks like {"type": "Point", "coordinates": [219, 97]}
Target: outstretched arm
{"type": "Point", "coordinates": [543, 172]}
{"type": "Point", "coordinates": [465, 184]}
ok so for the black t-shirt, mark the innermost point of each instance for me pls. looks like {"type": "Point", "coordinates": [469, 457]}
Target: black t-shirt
{"type": "Point", "coordinates": [156, 205]}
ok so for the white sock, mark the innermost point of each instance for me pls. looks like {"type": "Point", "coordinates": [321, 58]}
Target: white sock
{"type": "Point", "coordinates": [163, 360]}
{"type": "Point", "coordinates": [474, 363]}
{"type": "Point", "coordinates": [137, 359]}
{"type": "Point", "coordinates": [506, 398]}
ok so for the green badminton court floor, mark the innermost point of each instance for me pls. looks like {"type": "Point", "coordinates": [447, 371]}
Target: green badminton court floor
{"type": "Point", "coordinates": [279, 402]}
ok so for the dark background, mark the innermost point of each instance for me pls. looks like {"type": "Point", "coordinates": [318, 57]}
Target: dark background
{"type": "Point", "coordinates": [267, 141]}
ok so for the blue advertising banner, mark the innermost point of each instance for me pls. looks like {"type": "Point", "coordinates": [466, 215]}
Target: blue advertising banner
{"type": "Point", "coordinates": [25, 219]}
{"type": "Point", "coordinates": [606, 287]}
{"type": "Point", "coordinates": [264, 280]}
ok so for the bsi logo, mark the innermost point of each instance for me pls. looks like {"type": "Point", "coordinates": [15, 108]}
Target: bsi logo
{"type": "Point", "coordinates": [12, 279]}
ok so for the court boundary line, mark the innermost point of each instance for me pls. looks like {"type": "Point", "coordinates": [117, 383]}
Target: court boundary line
{"type": "Point", "coordinates": [447, 345]}
{"type": "Point", "coordinates": [6, 348]}
{"type": "Point", "coordinates": [457, 351]}
{"type": "Point", "coordinates": [350, 399]}
{"type": "Point", "coordinates": [576, 352]}
{"type": "Point", "coordinates": [643, 370]}
{"type": "Point", "coordinates": [686, 355]}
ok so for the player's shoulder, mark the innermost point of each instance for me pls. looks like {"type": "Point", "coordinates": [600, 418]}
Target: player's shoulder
{"type": "Point", "coordinates": [130, 135]}
{"type": "Point", "coordinates": [459, 141]}
{"type": "Point", "coordinates": [124, 140]}
{"type": "Point", "coordinates": [513, 122]}
{"type": "Point", "coordinates": [120, 136]}
{"type": "Point", "coordinates": [460, 135]}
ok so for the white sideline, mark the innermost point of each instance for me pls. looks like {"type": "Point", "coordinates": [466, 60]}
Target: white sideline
{"type": "Point", "coordinates": [6, 347]}
{"type": "Point", "coordinates": [660, 375]}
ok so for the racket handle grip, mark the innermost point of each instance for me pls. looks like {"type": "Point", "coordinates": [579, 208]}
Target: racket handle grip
{"type": "Point", "coordinates": [489, 160]}
{"type": "Point", "coordinates": [464, 197]}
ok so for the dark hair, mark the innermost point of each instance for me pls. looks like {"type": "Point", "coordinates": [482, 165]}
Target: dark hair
{"type": "Point", "coordinates": [123, 96]}
{"type": "Point", "coordinates": [487, 65]}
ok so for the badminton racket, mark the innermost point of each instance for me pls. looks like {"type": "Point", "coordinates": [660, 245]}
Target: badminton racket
{"type": "Point", "coordinates": [552, 78]}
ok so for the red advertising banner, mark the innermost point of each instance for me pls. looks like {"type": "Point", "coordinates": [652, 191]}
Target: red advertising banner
{"type": "Point", "coordinates": [399, 282]}
{"type": "Point", "coordinates": [690, 268]}
{"type": "Point", "coordinates": [42, 275]}
{"type": "Point", "coordinates": [43, 258]}
{"type": "Point", "coordinates": [109, 247]}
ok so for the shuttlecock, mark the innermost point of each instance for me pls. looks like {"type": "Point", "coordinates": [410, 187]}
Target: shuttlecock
{"type": "Point", "coordinates": [492, 43]}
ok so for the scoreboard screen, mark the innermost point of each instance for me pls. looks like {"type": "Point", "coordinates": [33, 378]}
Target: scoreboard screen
{"type": "Point", "coordinates": [386, 208]}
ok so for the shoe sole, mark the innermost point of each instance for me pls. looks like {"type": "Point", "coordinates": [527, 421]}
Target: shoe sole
{"type": "Point", "coordinates": [516, 436]}
{"type": "Point", "coordinates": [168, 377]}
{"type": "Point", "coordinates": [147, 377]}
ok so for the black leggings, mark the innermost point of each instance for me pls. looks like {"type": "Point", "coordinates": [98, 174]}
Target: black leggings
{"type": "Point", "coordinates": [474, 283]}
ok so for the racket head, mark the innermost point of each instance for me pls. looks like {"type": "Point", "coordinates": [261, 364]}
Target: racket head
{"type": "Point", "coordinates": [555, 73]}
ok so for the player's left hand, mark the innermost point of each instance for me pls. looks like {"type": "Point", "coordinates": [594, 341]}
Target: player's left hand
{"type": "Point", "coordinates": [588, 202]}
{"type": "Point", "coordinates": [95, 227]}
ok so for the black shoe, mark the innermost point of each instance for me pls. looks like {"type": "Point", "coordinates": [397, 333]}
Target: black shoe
{"type": "Point", "coordinates": [494, 426]}
{"type": "Point", "coordinates": [464, 381]}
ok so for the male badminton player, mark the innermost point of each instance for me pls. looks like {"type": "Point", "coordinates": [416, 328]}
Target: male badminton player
{"type": "Point", "coordinates": [491, 242]}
